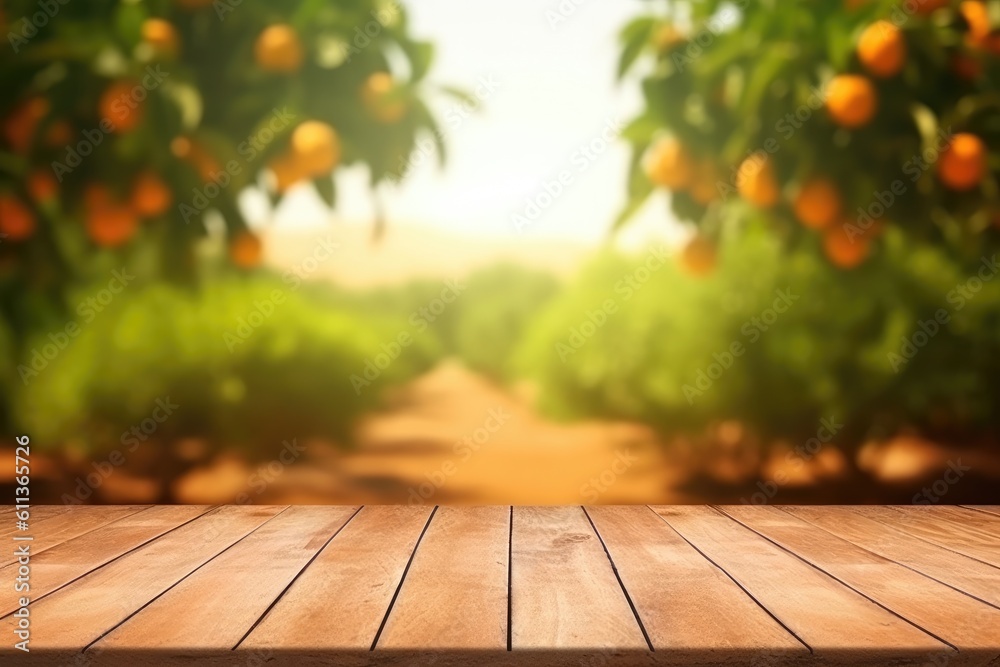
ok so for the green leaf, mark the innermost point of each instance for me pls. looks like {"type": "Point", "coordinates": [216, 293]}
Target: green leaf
{"type": "Point", "coordinates": [641, 130]}
{"type": "Point", "coordinates": [420, 55]}
{"type": "Point", "coordinates": [636, 36]}
{"type": "Point", "coordinates": [326, 189]}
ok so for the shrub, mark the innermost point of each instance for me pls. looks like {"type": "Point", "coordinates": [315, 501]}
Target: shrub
{"type": "Point", "coordinates": [249, 362]}
{"type": "Point", "coordinates": [848, 346]}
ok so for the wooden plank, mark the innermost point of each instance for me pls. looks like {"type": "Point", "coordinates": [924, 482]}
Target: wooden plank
{"type": "Point", "coordinates": [564, 593]}
{"type": "Point", "coordinates": [687, 604]}
{"type": "Point", "coordinates": [951, 536]}
{"type": "Point", "coordinates": [68, 525]}
{"type": "Point", "coordinates": [454, 594]}
{"type": "Point", "coordinates": [961, 572]}
{"type": "Point", "coordinates": [36, 514]}
{"type": "Point", "coordinates": [360, 569]}
{"type": "Point", "coordinates": [829, 617]}
{"type": "Point", "coordinates": [989, 509]}
{"type": "Point", "coordinates": [61, 564]}
{"type": "Point", "coordinates": [987, 524]}
{"type": "Point", "coordinates": [217, 604]}
{"type": "Point", "coordinates": [114, 592]}
{"type": "Point", "coordinates": [963, 622]}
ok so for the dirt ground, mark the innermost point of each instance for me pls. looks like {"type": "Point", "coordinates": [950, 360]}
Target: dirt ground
{"type": "Point", "coordinates": [453, 437]}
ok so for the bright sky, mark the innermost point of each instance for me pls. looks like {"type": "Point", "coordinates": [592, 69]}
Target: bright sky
{"type": "Point", "coordinates": [555, 95]}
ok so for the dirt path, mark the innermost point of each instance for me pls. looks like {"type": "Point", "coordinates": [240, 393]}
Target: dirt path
{"type": "Point", "coordinates": [452, 437]}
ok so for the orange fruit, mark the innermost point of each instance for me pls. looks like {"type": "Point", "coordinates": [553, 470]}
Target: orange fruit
{"type": "Point", "coordinates": [381, 97]}
{"type": "Point", "coordinates": [196, 155]}
{"type": "Point", "coordinates": [59, 134]}
{"type": "Point", "coordinates": [17, 222]}
{"type": "Point", "coordinates": [150, 195]}
{"type": "Point", "coordinates": [668, 165]}
{"type": "Point", "coordinates": [278, 49]}
{"type": "Point", "coordinates": [119, 107]}
{"type": "Point", "coordinates": [42, 185]}
{"type": "Point", "coordinates": [698, 257]}
{"type": "Point", "coordinates": [162, 36]}
{"type": "Point", "coordinates": [963, 163]}
{"type": "Point", "coordinates": [287, 172]}
{"type": "Point", "coordinates": [705, 183]}
{"type": "Point", "coordinates": [756, 182]}
{"type": "Point", "coordinates": [854, 5]}
{"type": "Point", "coordinates": [19, 127]}
{"type": "Point", "coordinates": [111, 224]}
{"type": "Point", "coordinates": [315, 146]}
{"type": "Point", "coordinates": [181, 147]}
{"type": "Point", "coordinates": [843, 251]}
{"type": "Point", "coordinates": [667, 37]}
{"type": "Point", "coordinates": [817, 204]}
{"type": "Point", "coordinates": [882, 49]}
{"type": "Point", "coordinates": [980, 35]}
{"type": "Point", "coordinates": [851, 100]}
{"type": "Point", "coordinates": [246, 250]}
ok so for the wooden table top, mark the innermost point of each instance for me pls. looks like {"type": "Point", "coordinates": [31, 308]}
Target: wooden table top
{"type": "Point", "coordinates": [582, 586]}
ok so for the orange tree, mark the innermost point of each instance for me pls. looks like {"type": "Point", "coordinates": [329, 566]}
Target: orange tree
{"type": "Point", "coordinates": [125, 125]}
{"type": "Point", "coordinates": [828, 122]}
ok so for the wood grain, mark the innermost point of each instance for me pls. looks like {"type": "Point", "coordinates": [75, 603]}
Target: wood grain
{"type": "Point", "coordinates": [564, 593]}
{"type": "Point", "coordinates": [827, 616]}
{"type": "Point", "coordinates": [989, 509]}
{"type": "Point", "coordinates": [244, 581]}
{"type": "Point", "coordinates": [963, 622]}
{"type": "Point", "coordinates": [535, 586]}
{"type": "Point", "coordinates": [455, 593]}
{"type": "Point", "coordinates": [65, 526]}
{"type": "Point", "coordinates": [59, 565]}
{"type": "Point", "coordinates": [969, 541]}
{"type": "Point", "coordinates": [686, 603]}
{"type": "Point", "coordinates": [114, 592]}
{"type": "Point", "coordinates": [970, 576]}
{"type": "Point", "coordinates": [361, 569]}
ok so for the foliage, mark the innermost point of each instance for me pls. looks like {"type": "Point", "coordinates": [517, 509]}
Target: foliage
{"type": "Point", "coordinates": [249, 361]}
{"type": "Point", "coordinates": [850, 346]}
{"type": "Point", "coordinates": [498, 307]}
{"type": "Point", "coordinates": [127, 124]}
{"type": "Point", "coordinates": [839, 119]}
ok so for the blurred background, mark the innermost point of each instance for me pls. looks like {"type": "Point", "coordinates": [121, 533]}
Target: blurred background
{"type": "Point", "coordinates": [572, 251]}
